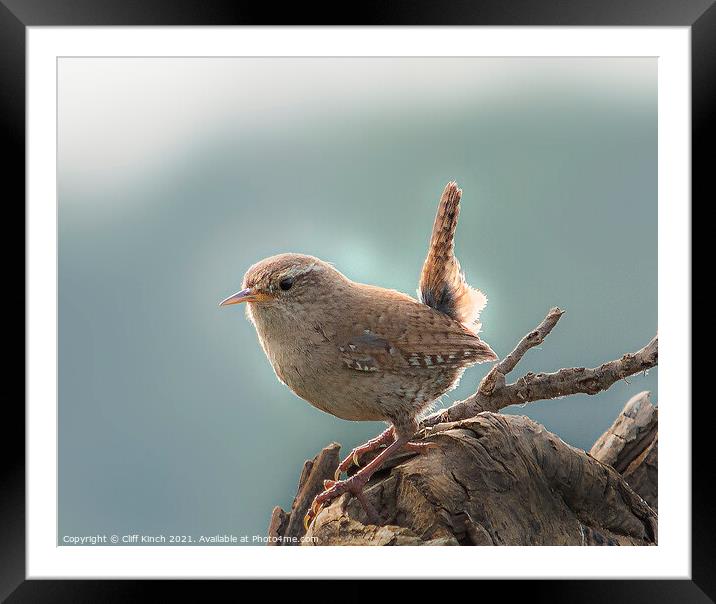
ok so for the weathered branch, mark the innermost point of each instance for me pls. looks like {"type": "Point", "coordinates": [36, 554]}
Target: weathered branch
{"type": "Point", "coordinates": [495, 379]}
{"type": "Point", "coordinates": [493, 394]}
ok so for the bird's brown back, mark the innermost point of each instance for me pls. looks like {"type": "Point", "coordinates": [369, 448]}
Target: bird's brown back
{"type": "Point", "coordinates": [391, 331]}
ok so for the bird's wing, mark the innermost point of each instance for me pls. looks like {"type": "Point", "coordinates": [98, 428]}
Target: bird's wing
{"type": "Point", "coordinates": [372, 352]}
{"type": "Point", "coordinates": [442, 282]}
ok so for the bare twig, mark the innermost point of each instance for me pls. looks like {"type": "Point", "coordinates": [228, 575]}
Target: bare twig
{"type": "Point", "coordinates": [495, 379]}
{"type": "Point", "coordinates": [493, 394]}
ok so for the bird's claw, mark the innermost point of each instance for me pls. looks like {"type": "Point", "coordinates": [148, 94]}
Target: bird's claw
{"type": "Point", "coordinates": [319, 501]}
{"type": "Point", "coordinates": [352, 460]}
{"type": "Point", "coordinates": [316, 507]}
{"type": "Point", "coordinates": [313, 511]}
{"type": "Point", "coordinates": [333, 489]}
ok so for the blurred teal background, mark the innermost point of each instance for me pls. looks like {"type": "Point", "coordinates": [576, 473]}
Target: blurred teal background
{"type": "Point", "coordinates": [176, 174]}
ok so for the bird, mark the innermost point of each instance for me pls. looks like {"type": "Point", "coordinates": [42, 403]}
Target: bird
{"type": "Point", "coordinates": [367, 353]}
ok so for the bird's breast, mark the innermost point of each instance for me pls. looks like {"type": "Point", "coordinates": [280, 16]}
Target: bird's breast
{"type": "Point", "coordinates": [307, 361]}
{"type": "Point", "coordinates": [297, 355]}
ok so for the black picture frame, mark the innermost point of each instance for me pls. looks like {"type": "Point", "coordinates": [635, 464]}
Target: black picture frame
{"type": "Point", "coordinates": [17, 15]}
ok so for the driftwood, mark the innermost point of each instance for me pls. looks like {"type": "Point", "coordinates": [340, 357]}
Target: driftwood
{"type": "Point", "coordinates": [500, 479]}
{"type": "Point", "coordinates": [288, 527]}
{"type": "Point", "coordinates": [630, 446]}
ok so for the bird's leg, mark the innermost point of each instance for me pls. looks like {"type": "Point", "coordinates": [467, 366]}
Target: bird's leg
{"type": "Point", "coordinates": [383, 438]}
{"type": "Point", "coordinates": [354, 485]}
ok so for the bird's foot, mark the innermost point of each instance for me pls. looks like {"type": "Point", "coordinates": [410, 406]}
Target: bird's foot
{"type": "Point", "coordinates": [353, 459]}
{"type": "Point", "coordinates": [334, 489]}
{"type": "Point", "coordinates": [354, 485]}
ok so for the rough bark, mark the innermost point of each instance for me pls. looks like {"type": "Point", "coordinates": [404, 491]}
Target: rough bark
{"type": "Point", "coordinates": [287, 528]}
{"type": "Point", "coordinates": [642, 474]}
{"type": "Point", "coordinates": [500, 479]}
{"type": "Point", "coordinates": [630, 446]}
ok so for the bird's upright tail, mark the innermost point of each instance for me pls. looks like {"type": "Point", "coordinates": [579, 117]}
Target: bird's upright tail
{"type": "Point", "coordinates": [442, 282]}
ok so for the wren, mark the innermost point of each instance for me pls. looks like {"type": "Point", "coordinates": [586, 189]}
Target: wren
{"type": "Point", "coordinates": [361, 352]}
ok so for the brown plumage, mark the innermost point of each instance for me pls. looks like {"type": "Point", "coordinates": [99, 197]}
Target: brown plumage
{"type": "Point", "coordinates": [362, 352]}
{"type": "Point", "coordinates": [442, 282]}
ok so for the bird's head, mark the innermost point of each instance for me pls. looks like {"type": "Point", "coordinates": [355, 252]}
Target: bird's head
{"type": "Point", "coordinates": [286, 284]}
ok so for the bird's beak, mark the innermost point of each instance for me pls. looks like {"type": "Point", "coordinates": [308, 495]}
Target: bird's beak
{"type": "Point", "coordinates": [245, 295]}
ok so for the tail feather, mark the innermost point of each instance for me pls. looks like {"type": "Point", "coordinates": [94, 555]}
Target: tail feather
{"type": "Point", "coordinates": [442, 282]}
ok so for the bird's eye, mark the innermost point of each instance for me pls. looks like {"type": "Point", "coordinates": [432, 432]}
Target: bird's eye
{"type": "Point", "coordinates": [286, 284]}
